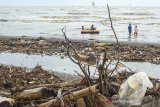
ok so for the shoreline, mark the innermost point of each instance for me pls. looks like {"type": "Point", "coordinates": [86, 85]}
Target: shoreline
{"type": "Point", "coordinates": [128, 51]}
{"type": "Point", "coordinates": [52, 39]}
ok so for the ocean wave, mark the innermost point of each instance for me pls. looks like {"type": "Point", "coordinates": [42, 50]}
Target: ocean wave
{"type": "Point", "coordinates": [115, 18]}
{"type": "Point", "coordinates": [60, 17]}
{"type": "Point", "coordinates": [104, 22]}
{"type": "Point", "coordinates": [44, 33]}
{"type": "Point", "coordinates": [78, 13]}
{"type": "Point", "coordinates": [141, 14]}
{"type": "Point", "coordinates": [62, 21]}
{"type": "Point", "coordinates": [49, 21]}
{"type": "Point", "coordinates": [127, 14]}
{"type": "Point", "coordinates": [3, 20]}
{"type": "Point", "coordinates": [154, 17]}
{"type": "Point", "coordinates": [39, 13]}
{"type": "Point", "coordinates": [138, 18]}
{"type": "Point", "coordinates": [153, 24]}
{"type": "Point", "coordinates": [4, 13]}
{"type": "Point", "coordinates": [26, 21]}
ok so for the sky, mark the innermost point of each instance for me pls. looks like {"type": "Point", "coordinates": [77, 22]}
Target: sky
{"type": "Point", "coordinates": [79, 2]}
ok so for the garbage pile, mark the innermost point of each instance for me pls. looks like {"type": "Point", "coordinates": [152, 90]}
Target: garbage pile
{"type": "Point", "coordinates": [20, 87]}
{"type": "Point", "coordinates": [134, 52]}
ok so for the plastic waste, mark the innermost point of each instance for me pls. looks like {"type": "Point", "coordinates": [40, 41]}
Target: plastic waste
{"type": "Point", "coordinates": [134, 88]}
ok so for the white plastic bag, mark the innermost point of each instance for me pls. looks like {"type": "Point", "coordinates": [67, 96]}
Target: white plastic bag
{"type": "Point", "coordinates": [134, 88]}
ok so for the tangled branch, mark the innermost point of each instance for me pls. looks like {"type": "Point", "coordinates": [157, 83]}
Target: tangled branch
{"type": "Point", "coordinates": [78, 62]}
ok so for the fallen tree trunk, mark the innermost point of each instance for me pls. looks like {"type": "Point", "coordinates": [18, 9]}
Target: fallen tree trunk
{"type": "Point", "coordinates": [56, 85]}
{"type": "Point", "coordinates": [47, 104]}
{"type": "Point", "coordinates": [67, 99]}
{"type": "Point", "coordinates": [80, 102]}
{"type": "Point", "coordinates": [32, 94]}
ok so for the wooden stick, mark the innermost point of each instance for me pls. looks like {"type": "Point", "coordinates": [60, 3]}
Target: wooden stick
{"type": "Point", "coordinates": [67, 99]}
{"type": "Point", "coordinates": [116, 39]}
{"type": "Point", "coordinates": [33, 94]}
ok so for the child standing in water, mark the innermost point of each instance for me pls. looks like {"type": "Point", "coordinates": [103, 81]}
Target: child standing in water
{"type": "Point", "coordinates": [130, 29]}
{"type": "Point", "coordinates": [135, 30]}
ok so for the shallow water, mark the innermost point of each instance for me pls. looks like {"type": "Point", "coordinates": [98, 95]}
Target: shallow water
{"type": "Point", "coordinates": [55, 63]}
{"type": "Point", "coordinates": [48, 22]}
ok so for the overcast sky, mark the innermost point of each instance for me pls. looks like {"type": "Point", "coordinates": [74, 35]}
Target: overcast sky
{"type": "Point", "coordinates": [79, 2]}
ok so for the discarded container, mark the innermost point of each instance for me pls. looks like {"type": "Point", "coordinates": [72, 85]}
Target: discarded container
{"type": "Point", "coordinates": [134, 89]}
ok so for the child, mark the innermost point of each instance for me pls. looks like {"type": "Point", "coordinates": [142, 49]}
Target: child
{"type": "Point", "coordinates": [130, 29]}
{"type": "Point", "coordinates": [92, 27]}
{"type": "Point", "coordinates": [135, 30]}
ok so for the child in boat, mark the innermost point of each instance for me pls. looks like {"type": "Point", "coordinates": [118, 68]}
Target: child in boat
{"type": "Point", "coordinates": [82, 27]}
{"type": "Point", "coordinates": [92, 27]}
{"type": "Point", "coordinates": [135, 30]}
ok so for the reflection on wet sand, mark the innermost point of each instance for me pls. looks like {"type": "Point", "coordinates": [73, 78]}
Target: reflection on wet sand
{"type": "Point", "coordinates": [55, 63]}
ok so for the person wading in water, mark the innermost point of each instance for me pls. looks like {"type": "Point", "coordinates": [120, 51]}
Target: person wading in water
{"type": "Point", "coordinates": [130, 29]}
{"type": "Point", "coordinates": [135, 30]}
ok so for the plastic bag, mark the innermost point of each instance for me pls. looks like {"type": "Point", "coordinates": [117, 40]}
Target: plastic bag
{"type": "Point", "coordinates": [134, 88]}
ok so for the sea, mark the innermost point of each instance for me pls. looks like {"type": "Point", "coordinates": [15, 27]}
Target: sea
{"type": "Point", "coordinates": [47, 21]}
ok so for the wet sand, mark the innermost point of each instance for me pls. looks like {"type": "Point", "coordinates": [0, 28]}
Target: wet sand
{"type": "Point", "coordinates": [52, 39]}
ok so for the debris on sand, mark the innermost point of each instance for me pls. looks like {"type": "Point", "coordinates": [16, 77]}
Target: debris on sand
{"type": "Point", "coordinates": [141, 52]}
{"type": "Point", "coordinates": [31, 88]}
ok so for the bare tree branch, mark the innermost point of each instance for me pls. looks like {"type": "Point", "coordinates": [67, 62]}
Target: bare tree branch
{"type": "Point", "coordinates": [116, 40]}
{"type": "Point", "coordinates": [78, 74]}
{"type": "Point", "coordinates": [89, 73]}
{"type": "Point", "coordinates": [112, 24]}
{"type": "Point", "coordinates": [78, 62]}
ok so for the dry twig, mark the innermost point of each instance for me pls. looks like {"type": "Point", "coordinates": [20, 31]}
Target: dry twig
{"type": "Point", "coordinates": [82, 66]}
{"type": "Point", "coordinates": [116, 40]}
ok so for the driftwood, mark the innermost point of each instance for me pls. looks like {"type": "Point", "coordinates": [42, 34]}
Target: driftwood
{"type": "Point", "coordinates": [56, 85]}
{"type": "Point", "coordinates": [86, 59]}
{"type": "Point", "coordinates": [102, 44]}
{"type": "Point", "coordinates": [47, 104]}
{"type": "Point", "coordinates": [80, 103]}
{"type": "Point", "coordinates": [82, 57]}
{"type": "Point", "coordinates": [6, 102]}
{"type": "Point", "coordinates": [67, 99]}
{"type": "Point", "coordinates": [32, 94]}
